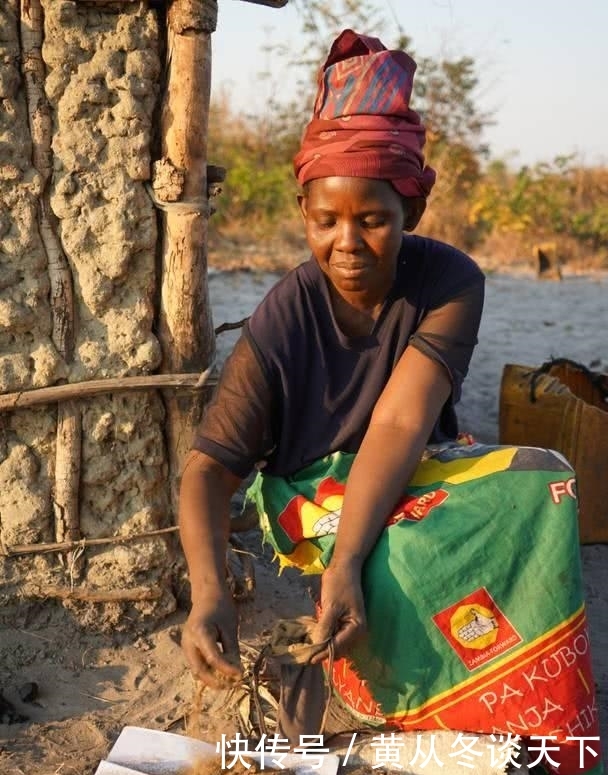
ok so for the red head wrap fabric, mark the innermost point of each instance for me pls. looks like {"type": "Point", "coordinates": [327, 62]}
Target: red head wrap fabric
{"type": "Point", "coordinates": [362, 125]}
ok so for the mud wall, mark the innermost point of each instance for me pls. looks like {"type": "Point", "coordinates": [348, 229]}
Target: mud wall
{"type": "Point", "coordinates": [102, 71]}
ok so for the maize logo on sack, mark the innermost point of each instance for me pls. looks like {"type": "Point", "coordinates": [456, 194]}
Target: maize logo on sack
{"type": "Point", "coordinates": [477, 629]}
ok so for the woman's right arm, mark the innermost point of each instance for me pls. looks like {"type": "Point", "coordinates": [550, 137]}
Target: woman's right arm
{"type": "Point", "coordinates": [233, 435]}
{"type": "Point", "coordinates": [209, 638]}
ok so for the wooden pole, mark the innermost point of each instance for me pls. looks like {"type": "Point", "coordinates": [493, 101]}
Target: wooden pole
{"type": "Point", "coordinates": [185, 324]}
{"type": "Point", "coordinates": [68, 442]}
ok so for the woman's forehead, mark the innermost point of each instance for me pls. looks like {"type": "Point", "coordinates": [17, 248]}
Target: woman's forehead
{"type": "Point", "coordinates": [351, 190]}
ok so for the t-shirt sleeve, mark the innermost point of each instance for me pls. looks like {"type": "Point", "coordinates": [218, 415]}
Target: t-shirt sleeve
{"type": "Point", "coordinates": [236, 428]}
{"type": "Point", "coordinates": [448, 330]}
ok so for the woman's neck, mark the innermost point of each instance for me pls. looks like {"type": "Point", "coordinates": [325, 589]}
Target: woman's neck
{"type": "Point", "coordinates": [355, 313]}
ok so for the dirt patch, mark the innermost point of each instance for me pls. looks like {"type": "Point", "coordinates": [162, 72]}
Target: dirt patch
{"type": "Point", "coordinates": [91, 685]}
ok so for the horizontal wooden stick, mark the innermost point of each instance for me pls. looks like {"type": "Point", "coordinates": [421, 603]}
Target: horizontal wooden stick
{"type": "Point", "coordinates": [56, 393]}
{"type": "Point", "coordinates": [101, 595]}
{"type": "Point", "coordinates": [238, 524]}
{"type": "Point", "coordinates": [231, 326]}
{"type": "Point", "coordinates": [67, 546]}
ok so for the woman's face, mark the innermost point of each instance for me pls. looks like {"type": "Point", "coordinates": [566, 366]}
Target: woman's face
{"type": "Point", "coordinates": [354, 228]}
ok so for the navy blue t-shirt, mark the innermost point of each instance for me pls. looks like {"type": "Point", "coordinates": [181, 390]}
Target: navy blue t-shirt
{"type": "Point", "coordinates": [296, 387]}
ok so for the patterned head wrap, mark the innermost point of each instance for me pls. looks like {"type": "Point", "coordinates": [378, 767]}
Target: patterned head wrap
{"type": "Point", "coordinates": [362, 125]}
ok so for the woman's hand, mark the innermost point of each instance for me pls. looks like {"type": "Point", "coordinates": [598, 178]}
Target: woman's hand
{"type": "Point", "coordinates": [210, 641]}
{"type": "Point", "coordinates": [342, 616]}
{"type": "Point", "coordinates": [209, 638]}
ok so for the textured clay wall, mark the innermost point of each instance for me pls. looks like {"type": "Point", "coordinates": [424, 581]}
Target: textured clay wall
{"type": "Point", "coordinates": [101, 83]}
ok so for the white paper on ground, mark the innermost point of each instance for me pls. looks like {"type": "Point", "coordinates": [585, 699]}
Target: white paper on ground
{"type": "Point", "coordinates": [152, 752]}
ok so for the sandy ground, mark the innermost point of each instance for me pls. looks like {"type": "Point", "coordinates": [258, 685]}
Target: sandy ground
{"type": "Point", "coordinates": [90, 685]}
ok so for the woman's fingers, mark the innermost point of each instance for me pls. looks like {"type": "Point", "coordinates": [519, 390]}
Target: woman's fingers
{"type": "Point", "coordinates": [342, 615]}
{"type": "Point", "coordinates": [213, 666]}
{"type": "Point", "coordinates": [348, 634]}
{"type": "Point", "coordinates": [343, 629]}
{"type": "Point", "coordinates": [225, 664]}
{"type": "Point", "coordinates": [202, 671]}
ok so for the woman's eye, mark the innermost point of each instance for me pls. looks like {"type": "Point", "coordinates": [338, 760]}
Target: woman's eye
{"type": "Point", "coordinates": [325, 224]}
{"type": "Point", "coordinates": [373, 223]}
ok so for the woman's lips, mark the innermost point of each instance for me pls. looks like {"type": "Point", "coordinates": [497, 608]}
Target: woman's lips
{"type": "Point", "coordinates": [351, 267]}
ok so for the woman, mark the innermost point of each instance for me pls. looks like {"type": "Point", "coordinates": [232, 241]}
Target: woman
{"type": "Point", "coordinates": [344, 375]}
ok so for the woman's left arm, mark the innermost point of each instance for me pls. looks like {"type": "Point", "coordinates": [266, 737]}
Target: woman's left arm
{"type": "Point", "coordinates": [430, 369]}
{"type": "Point", "coordinates": [399, 429]}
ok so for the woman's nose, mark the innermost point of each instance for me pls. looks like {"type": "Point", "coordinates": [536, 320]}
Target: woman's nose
{"type": "Point", "coordinates": [348, 237]}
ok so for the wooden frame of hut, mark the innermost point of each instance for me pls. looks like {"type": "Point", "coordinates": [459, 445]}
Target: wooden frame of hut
{"type": "Point", "coordinates": [181, 183]}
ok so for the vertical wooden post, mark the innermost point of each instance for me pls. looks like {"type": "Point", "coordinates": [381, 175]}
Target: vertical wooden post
{"type": "Point", "coordinates": [185, 322]}
{"type": "Point", "coordinates": [68, 442]}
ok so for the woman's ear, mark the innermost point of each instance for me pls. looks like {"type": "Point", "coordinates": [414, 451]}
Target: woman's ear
{"type": "Point", "coordinates": [413, 209]}
{"type": "Point", "coordinates": [302, 204]}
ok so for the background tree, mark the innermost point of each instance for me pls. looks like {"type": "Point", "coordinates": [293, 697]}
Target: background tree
{"type": "Point", "coordinates": [445, 95]}
{"type": "Point", "coordinates": [478, 203]}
